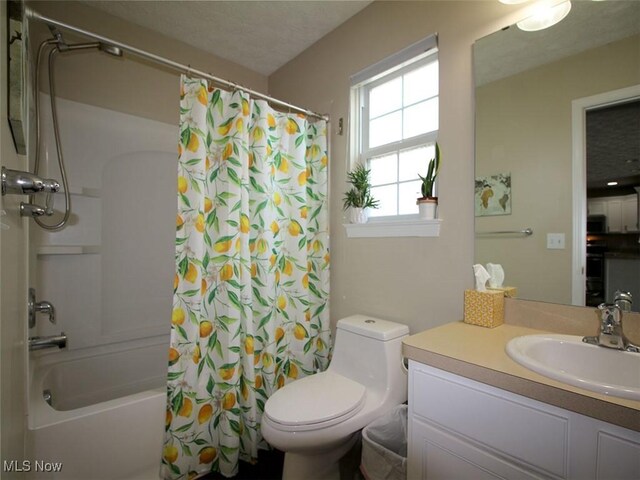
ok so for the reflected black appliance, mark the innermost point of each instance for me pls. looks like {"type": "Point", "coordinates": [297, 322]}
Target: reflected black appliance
{"type": "Point", "coordinates": [596, 224]}
{"type": "Point", "coordinates": [595, 288]}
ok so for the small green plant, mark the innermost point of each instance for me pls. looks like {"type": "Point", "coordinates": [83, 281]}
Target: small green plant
{"type": "Point", "coordinates": [359, 195]}
{"type": "Point", "coordinates": [432, 172]}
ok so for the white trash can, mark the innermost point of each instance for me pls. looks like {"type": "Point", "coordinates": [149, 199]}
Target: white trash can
{"type": "Point", "coordinates": [384, 446]}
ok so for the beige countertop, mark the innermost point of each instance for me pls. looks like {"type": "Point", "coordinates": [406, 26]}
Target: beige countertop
{"type": "Point", "coordinates": [479, 353]}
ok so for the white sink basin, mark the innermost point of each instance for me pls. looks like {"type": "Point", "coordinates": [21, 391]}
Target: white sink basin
{"type": "Point", "coordinates": [567, 359]}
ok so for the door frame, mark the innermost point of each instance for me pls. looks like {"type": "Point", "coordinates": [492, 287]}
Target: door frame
{"type": "Point", "coordinates": [579, 109]}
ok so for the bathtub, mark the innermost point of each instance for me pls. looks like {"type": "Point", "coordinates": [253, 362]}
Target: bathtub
{"type": "Point", "coordinates": [107, 414]}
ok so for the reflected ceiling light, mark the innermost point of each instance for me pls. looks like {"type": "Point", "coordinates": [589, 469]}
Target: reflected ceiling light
{"type": "Point", "coordinates": [612, 184]}
{"type": "Point", "coordinates": [545, 16]}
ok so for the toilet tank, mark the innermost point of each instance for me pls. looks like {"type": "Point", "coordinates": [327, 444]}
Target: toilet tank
{"type": "Point", "coordinates": [369, 351]}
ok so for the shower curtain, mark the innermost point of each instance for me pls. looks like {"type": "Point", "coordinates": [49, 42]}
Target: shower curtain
{"type": "Point", "coordinates": [251, 289]}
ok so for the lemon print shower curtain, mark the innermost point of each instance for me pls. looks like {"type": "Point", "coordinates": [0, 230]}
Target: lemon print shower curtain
{"type": "Point", "coordinates": [251, 290]}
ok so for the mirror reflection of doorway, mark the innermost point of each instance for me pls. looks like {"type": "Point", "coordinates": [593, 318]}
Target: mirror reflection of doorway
{"type": "Point", "coordinates": [612, 251]}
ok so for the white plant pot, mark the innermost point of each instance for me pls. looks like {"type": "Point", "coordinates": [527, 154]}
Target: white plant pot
{"type": "Point", "coordinates": [358, 215]}
{"type": "Point", "coordinates": [427, 208]}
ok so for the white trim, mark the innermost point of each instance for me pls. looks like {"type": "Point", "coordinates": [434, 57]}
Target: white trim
{"type": "Point", "coordinates": [396, 60]}
{"type": "Point", "coordinates": [394, 228]}
{"type": "Point", "coordinates": [579, 159]}
{"type": "Point", "coordinates": [401, 145]}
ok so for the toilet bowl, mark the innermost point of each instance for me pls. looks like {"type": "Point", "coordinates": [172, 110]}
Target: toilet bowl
{"type": "Point", "coordinates": [315, 420]}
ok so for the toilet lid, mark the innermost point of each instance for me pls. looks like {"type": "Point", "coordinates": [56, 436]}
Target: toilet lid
{"type": "Point", "coordinates": [316, 399]}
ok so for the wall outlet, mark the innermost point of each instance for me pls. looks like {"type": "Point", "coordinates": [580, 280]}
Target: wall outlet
{"type": "Point", "coordinates": [555, 241]}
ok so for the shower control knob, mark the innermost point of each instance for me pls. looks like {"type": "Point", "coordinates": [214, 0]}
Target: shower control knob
{"type": "Point", "coordinates": [25, 183]}
{"type": "Point", "coordinates": [39, 307]}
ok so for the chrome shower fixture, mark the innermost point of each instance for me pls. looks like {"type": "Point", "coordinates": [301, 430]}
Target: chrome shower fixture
{"type": "Point", "coordinates": [56, 45]}
{"type": "Point", "coordinates": [103, 47]}
{"type": "Point", "coordinates": [110, 49]}
{"type": "Point", "coordinates": [57, 35]}
{"type": "Point", "coordinates": [63, 46]}
{"type": "Point", "coordinates": [26, 183]}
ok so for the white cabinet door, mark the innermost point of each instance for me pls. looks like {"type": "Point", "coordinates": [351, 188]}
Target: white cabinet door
{"type": "Point", "coordinates": [630, 214]}
{"type": "Point", "coordinates": [463, 429]}
{"type": "Point", "coordinates": [597, 207]}
{"type": "Point", "coordinates": [440, 455]}
{"type": "Point", "coordinates": [614, 215]}
{"type": "Point", "coordinates": [617, 457]}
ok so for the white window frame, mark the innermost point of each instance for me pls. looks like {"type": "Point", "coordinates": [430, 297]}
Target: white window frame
{"type": "Point", "coordinates": [413, 57]}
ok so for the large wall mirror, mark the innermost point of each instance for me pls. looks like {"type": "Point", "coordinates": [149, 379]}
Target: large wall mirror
{"type": "Point", "coordinates": [557, 123]}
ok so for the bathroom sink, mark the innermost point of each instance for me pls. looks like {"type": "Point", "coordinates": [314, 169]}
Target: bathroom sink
{"type": "Point", "coordinates": [567, 359]}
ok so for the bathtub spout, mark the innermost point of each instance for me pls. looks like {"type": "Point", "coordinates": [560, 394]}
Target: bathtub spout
{"type": "Point", "coordinates": [40, 343]}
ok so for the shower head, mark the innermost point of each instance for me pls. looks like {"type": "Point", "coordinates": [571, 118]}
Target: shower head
{"type": "Point", "coordinates": [110, 49]}
{"type": "Point", "coordinates": [65, 47]}
{"type": "Point", "coordinates": [103, 47]}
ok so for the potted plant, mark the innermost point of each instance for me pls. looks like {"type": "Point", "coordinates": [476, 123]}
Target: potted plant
{"type": "Point", "coordinates": [358, 197]}
{"type": "Point", "coordinates": [427, 203]}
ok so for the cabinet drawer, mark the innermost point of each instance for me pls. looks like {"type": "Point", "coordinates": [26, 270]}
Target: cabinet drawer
{"type": "Point", "coordinates": [524, 430]}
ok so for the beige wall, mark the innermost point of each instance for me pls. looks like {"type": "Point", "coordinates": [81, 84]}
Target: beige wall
{"type": "Point", "coordinates": [418, 281]}
{"type": "Point", "coordinates": [523, 126]}
{"type": "Point", "coordinates": [129, 84]}
{"type": "Point", "coordinates": [13, 293]}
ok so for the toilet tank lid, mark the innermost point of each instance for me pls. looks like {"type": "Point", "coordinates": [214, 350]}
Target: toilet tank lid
{"type": "Point", "coordinates": [373, 327]}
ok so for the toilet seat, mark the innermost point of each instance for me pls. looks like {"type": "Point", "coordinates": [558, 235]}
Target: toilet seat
{"type": "Point", "coordinates": [315, 402]}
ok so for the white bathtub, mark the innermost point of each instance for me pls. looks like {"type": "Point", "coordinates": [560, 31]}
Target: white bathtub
{"type": "Point", "coordinates": [107, 418]}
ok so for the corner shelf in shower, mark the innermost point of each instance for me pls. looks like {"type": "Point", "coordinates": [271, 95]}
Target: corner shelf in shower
{"type": "Point", "coordinates": [67, 249]}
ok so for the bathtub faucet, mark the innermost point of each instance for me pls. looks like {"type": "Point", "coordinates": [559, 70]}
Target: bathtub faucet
{"type": "Point", "coordinates": [40, 343]}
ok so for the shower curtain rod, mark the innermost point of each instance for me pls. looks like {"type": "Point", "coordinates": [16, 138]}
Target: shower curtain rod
{"type": "Point", "coordinates": [32, 14]}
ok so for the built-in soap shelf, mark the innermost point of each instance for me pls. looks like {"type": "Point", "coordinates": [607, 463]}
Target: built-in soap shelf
{"type": "Point", "coordinates": [67, 249]}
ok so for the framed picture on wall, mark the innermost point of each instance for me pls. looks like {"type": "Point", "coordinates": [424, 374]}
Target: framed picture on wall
{"type": "Point", "coordinates": [493, 195]}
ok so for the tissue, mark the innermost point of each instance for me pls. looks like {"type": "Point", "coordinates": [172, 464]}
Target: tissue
{"type": "Point", "coordinates": [496, 275]}
{"type": "Point", "coordinates": [481, 276]}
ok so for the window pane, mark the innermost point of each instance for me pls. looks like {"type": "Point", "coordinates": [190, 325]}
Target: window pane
{"type": "Point", "coordinates": [421, 84]}
{"type": "Point", "coordinates": [421, 118]}
{"type": "Point", "coordinates": [388, 197]}
{"type": "Point", "coordinates": [385, 98]}
{"type": "Point", "coordinates": [415, 161]}
{"type": "Point", "coordinates": [409, 193]}
{"type": "Point", "coordinates": [385, 129]}
{"type": "Point", "coordinates": [383, 169]}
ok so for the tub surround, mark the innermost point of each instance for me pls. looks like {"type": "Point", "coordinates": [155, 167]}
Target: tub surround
{"type": "Point", "coordinates": [479, 353]}
{"type": "Point", "coordinates": [94, 400]}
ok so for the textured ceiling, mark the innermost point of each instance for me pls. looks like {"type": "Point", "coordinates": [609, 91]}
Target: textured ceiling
{"type": "Point", "coordinates": [260, 35]}
{"type": "Point", "coordinates": [588, 25]}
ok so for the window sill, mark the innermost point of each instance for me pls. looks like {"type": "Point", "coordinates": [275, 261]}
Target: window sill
{"type": "Point", "coordinates": [394, 228]}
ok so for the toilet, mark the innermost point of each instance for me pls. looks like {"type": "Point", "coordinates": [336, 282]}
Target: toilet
{"type": "Point", "coordinates": [316, 420]}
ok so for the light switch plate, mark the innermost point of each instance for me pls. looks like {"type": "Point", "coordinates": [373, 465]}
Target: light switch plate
{"type": "Point", "coordinates": [555, 241]}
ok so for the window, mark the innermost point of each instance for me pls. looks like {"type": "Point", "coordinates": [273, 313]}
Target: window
{"type": "Point", "coordinates": [395, 125]}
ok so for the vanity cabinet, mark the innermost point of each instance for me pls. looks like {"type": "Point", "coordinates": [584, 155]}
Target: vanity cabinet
{"type": "Point", "coordinates": [463, 429]}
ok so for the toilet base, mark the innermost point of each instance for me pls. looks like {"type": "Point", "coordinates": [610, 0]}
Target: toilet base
{"type": "Point", "coordinates": [316, 466]}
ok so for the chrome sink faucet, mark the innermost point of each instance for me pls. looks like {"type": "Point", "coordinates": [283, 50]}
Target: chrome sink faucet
{"type": "Point", "coordinates": [611, 333]}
